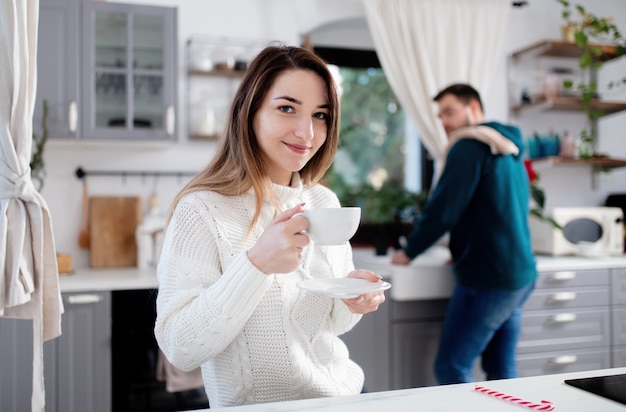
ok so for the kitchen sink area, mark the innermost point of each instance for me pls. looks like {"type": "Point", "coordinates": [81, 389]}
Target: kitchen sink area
{"type": "Point", "coordinates": [429, 276]}
{"type": "Point", "coordinates": [574, 320]}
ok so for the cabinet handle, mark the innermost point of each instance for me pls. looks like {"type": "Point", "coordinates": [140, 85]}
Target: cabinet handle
{"type": "Point", "coordinates": [564, 317]}
{"type": "Point", "coordinates": [73, 117]}
{"type": "Point", "coordinates": [564, 275]}
{"type": "Point", "coordinates": [564, 296]}
{"type": "Point", "coordinates": [170, 120]}
{"type": "Point", "coordinates": [565, 359]}
{"type": "Point", "coordinates": [84, 299]}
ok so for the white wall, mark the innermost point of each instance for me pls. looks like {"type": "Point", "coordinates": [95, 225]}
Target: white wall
{"type": "Point", "coordinates": [287, 20]}
{"type": "Point", "coordinates": [565, 186]}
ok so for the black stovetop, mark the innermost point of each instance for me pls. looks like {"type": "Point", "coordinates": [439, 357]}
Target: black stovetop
{"type": "Point", "coordinates": [611, 387]}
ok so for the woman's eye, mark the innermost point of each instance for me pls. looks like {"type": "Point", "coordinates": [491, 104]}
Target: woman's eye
{"type": "Point", "coordinates": [286, 109]}
{"type": "Point", "coordinates": [321, 115]}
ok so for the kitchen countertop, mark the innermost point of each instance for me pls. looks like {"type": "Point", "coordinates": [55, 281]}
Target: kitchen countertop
{"type": "Point", "coordinates": [461, 397]}
{"type": "Point", "coordinates": [430, 276]}
{"type": "Point", "coordinates": [427, 277]}
{"type": "Point", "coordinates": [101, 280]}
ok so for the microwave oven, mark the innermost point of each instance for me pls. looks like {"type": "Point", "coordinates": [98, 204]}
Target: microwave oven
{"type": "Point", "coordinates": [602, 228]}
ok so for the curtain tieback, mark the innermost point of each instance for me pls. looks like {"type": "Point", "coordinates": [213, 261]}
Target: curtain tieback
{"type": "Point", "coordinates": [23, 188]}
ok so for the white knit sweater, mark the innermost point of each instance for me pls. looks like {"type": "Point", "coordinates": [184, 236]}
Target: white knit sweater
{"type": "Point", "coordinates": [258, 338]}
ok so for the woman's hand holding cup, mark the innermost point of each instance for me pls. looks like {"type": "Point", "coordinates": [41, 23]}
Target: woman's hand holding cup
{"type": "Point", "coordinates": [279, 248]}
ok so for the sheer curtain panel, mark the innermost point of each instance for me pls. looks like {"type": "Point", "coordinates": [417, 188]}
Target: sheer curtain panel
{"type": "Point", "coordinates": [29, 285]}
{"type": "Point", "coordinates": [426, 45]}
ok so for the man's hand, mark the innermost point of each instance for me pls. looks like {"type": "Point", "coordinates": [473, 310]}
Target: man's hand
{"type": "Point", "coordinates": [400, 258]}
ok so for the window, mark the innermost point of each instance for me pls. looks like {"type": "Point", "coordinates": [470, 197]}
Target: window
{"type": "Point", "coordinates": [379, 146]}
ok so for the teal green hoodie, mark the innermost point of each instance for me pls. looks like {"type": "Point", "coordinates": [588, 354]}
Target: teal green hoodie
{"type": "Point", "coordinates": [482, 200]}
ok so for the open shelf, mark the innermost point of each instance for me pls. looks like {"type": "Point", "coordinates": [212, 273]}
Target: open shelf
{"type": "Point", "coordinates": [217, 73]}
{"type": "Point", "coordinates": [198, 136]}
{"type": "Point", "coordinates": [599, 162]}
{"type": "Point", "coordinates": [559, 48]}
{"type": "Point", "coordinates": [570, 104]}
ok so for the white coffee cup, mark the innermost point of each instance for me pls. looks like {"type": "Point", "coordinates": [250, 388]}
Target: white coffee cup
{"type": "Point", "coordinates": [332, 226]}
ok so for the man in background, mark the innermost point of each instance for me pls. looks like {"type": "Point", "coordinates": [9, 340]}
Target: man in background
{"type": "Point", "coordinates": [481, 199]}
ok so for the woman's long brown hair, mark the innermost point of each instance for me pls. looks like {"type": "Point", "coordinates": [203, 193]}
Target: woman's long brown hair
{"type": "Point", "coordinates": [237, 165]}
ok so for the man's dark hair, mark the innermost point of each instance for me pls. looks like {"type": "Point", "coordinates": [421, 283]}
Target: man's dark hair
{"type": "Point", "coordinates": [464, 92]}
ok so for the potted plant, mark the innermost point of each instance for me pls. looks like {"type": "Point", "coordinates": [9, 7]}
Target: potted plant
{"type": "Point", "coordinates": [37, 165]}
{"type": "Point", "coordinates": [538, 197]}
{"type": "Point", "coordinates": [387, 214]}
{"type": "Point", "coordinates": [596, 37]}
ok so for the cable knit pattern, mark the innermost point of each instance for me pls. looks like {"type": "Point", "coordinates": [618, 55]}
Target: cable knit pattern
{"type": "Point", "coordinates": [258, 338]}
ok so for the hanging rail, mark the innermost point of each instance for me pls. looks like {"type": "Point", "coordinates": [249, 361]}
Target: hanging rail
{"type": "Point", "coordinates": [82, 173]}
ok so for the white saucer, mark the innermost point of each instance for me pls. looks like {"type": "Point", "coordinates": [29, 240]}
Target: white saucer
{"type": "Point", "coordinates": [344, 288]}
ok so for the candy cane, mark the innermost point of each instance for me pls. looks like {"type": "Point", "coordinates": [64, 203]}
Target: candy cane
{"type": "Point", "coordinates": [543, 406]}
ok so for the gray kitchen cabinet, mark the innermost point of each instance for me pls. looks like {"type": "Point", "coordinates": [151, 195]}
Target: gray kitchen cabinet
{"type": "Point", "coordinates": [369, 346]}
{"type": "Point", "coordinates": [574, 320]}
{"type": "Point", "coordinates": [16, 366]}
{"type": "Point", "coordinates": [58, 67]}
{"type": "Point", "coordinates": [414, 351]}
{"type": "Point", "coordinates": [77, 365]}
{"type": "Point", "coordinates": [566, 325]}
{"type": "Point", "coordinates": [547, 363]}
{"type": "Point", "coordinates": [107, 70]}
{"type": "Point", "coordinates": [128, 69]}
{"type": "Point", "coordinates": [396, 345]}
{"type": "Point", "coordinates": [84, 353]}
{"type": "Point", "coordinates": [618, 303]}
{"type": "Point", "coordinates": [416, 326]}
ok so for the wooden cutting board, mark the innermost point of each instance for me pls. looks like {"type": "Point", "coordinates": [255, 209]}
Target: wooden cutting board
{"type": "Point", "coordinates": [112, 224]}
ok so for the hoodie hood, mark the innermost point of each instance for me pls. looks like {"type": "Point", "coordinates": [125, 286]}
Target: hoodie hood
{"type": "Point", "coordinates": [510, 132]}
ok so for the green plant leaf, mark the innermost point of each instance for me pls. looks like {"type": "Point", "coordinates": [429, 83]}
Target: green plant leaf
{"type": "Point", "coordinates": [552, 222]}
{"type": "Point", "coordinates": [538, 196]}
{"type": "Point", "coordinates": [585, 59]}
{"type": "Point", "coordinates": [581, 39]}
{"type": "Point", "coordinates": [37, 164]}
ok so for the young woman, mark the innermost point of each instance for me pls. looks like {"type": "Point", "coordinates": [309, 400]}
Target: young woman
{"type": "Point", "coordinates": [233, 254]}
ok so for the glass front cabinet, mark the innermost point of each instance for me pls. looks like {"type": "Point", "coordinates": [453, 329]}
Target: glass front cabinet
{"type": "Point", "coordinates": [128, 69]}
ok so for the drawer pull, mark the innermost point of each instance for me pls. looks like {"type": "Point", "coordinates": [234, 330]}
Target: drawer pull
{"type": "Point", "coordinates": [565, 359]}
{"type": "Point", "coordinates": [564, 296]}
{"type": "Point", "coordinates": [170, 120]}
{"type": "Point", "coordinates": [564, 317]}
{"type": "Point", "coordinates": [72, 116]}
{"type": "Point", "coordinates": [84, 299]}
{"type": "Point", "coordinates": [564, 275]}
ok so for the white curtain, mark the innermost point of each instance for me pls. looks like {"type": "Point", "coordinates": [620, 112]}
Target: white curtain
{"type": "Point", "coordinates": [29, 286]}
{"type": "Point", "coordinates": [426, 45]}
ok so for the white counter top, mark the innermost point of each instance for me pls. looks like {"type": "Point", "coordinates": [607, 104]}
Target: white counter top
{"type": "Point", "coordinates": [99, 280]}
{"type": "Point", "coordinates": [427, 277]}
{"type": "Point", "coordinates": [460, 397]}
{"type": "Point", "coordinates": [549, 263]}
{"type": "Point", "coordinates": [430, 276]}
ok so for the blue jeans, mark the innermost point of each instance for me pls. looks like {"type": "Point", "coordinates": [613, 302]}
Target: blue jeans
{"type": "Point", "coordinates": [480, 321]}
